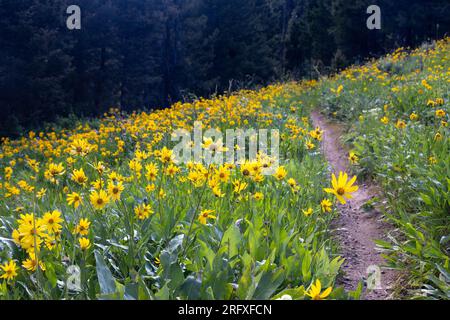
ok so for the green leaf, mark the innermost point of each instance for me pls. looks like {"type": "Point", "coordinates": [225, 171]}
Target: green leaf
{"type": "Point", "coordinates": [246, 279]}
{"type": "Point", "coordinates": [50, 275]}
{"type": "Point", "coordinates": [131, 291]}
{"type": "Point", "coordinates": [383, 244]}
{"type": "Point", "coordinates": [163, 293]}
{"type": "Point", "coordinates": [222, 290]}
{"type": "Point", "coordinates": [104, 275]}
{"type": "Point", "coordinates": [175, 243]}
{"type": "Point", "coordinates": [426, 199]}
{"type": "Point", "coordinates": [356, 295]}
{"type": "Point", "coordinates": [176, 276]}
{"type": "Point", "coordinates": [269, 283]}
{"type": "Point", "coordinates": [191, 288]}
{"type": "Point", "coordinates": [232, 239]}
{"type": "Point", "coordinates": [206, 252]}
{"type": "Point", "coordinates": [306, 265]}
{"type": "Point", "coordinates": [443, 272]}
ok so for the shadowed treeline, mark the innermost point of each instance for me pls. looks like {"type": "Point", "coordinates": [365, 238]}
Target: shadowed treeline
{"type": "Point", "coordinates": [149, 53]}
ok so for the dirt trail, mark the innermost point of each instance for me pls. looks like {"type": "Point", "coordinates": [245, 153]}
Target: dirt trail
{"type": "Point", "coordinates": [357, 227]}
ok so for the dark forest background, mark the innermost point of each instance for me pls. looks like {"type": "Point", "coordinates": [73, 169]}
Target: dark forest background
{"type": "Point", "coordinates": [143, 54]}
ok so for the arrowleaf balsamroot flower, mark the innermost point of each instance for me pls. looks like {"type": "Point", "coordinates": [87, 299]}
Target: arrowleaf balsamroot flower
{"type": "Point", "coordinates": [152, 171]}
{"type": "Point", "coordinates": [85, 243]}
{"type": "Point", "coordinates": [292, 183]}
{"type": "Point", "coordinates": [223, 173]}
{"type": "Point", "coordinates": [82, 227]}
{"type": "Point", "coordinates": [166, 155]}
{"type": "Point", "coordinates": [53, 171]}
{"type": "Point", "coordinates": [100, 167]}
{"type": "Point", "coordinates": [31, 232]}
{"type": "Point", "coordinates": [353, 158]}
{"type": "Point", "coordinates": [326, 205]}
{"type": "Point", "coordinates": [80, 147]}
{"type": "Point", "coordinates": [440, 113]}
{"type": "Point", "coordinates": [9, 270]}
{"type": "Point", "coordinates": [315, 291]}
{"type": "Point", "coordinates": [316, 134]}
{"type": "Point", "coordinates": [205, 215]}
{"type": "Point", "coordinates": [342, 188]}
{"type": "Point", "coordinates": [31, 263]}
{"type": "Point", "coordinates": [413, 116]}
{"type": "Point", "coordinates": [246, 169]}
{"type": "Point", "coordinates": [79, 176]}
{"type": "Point", "coordinates": [53, 220]}
{"type": "Point", "coordinates": [217, 191]}
{"type": "Point", "coordinates": [239, 186]}
{"type": "Point", "coordinates": [74, 199]}
{"type": "Point", "coordinates": [41, 193]}
{"type": "Point", "coordinates": [400, 124]}
{"type": "Point", "coordinates": [258, 196]}
{"type": "Point", "coordinates": [439, 101]}
{"type": "Point", "coordinates": [143, 211]}
{"type": "Point", "coordinates": [308, 212]}
{"type": "Point", "coordinates": [309, 145]}
{"type": "Point", "coordinates": [115, 190]}
{"type": "Point", "coordinates": [99, 199]}
{"type": "Point", "coordinates": [172, 170]}
{"type": "Point", "coordinates": [280, 173]}
{"type": "Point", "coordinates": [438, 136]}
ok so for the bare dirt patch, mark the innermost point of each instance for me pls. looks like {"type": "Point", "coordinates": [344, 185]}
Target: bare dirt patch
{"type": "Point", "coordinates": [357, 227]}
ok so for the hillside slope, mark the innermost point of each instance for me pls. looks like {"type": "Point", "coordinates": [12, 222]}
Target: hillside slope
{"type": "Point", "coordinates": [108, 210]}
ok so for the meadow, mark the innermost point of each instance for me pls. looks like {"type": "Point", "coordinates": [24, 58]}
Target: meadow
{"type": "Point", "coordinates": [101, 209]}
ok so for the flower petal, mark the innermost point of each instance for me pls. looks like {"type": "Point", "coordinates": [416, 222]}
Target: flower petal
{"type": "Point", "coordinates": [326, 293]}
